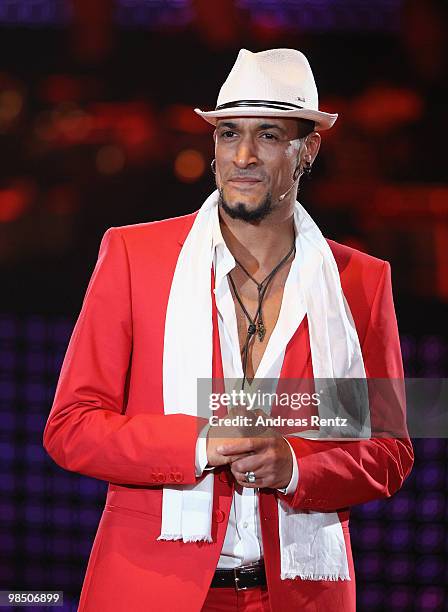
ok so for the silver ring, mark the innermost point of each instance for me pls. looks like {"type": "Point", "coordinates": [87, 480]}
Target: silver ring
{"type": "Point", "coordinates": [250, 476]}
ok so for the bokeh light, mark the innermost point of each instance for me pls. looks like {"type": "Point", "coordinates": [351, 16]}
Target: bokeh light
{"type": "Point", "coordinates": [189, 165]}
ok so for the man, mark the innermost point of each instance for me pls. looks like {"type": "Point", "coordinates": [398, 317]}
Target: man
{"type": "Point", "coordinates": [246, 288]}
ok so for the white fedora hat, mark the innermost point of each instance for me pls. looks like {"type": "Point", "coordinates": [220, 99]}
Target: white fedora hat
{"type": "Point", "coordinates": [273, 83]}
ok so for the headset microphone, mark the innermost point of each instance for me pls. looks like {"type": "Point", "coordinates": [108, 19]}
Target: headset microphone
{"type": "Point", "coordinates": [283, 196]}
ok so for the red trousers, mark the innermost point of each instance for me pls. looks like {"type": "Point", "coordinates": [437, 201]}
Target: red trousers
{"type": "Point", "coordinates": [255, 599]}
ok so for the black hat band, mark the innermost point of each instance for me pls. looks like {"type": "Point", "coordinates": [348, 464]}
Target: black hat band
{"type": "Point", "coordinates": [262, 103]}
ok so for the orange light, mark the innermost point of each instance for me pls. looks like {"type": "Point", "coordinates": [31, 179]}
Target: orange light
{"type": "Point", "coordinates": [189, 165]}
{"type": "Point", "coordinates": [11, 102]}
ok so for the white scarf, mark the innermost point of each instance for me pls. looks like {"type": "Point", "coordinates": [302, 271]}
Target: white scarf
{"type": "Point", "coordinates": [311, 543]}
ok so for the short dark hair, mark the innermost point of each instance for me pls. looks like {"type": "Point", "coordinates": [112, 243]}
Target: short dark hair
{"type": "Point", "coordinates": [305, 127]}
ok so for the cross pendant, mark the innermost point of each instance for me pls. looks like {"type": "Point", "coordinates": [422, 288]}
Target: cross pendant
{"type": "Point", "coordinates": [261, 330]}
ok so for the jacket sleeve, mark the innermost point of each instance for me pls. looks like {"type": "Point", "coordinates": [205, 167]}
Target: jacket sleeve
{"type": "Point", "coordinates": [87, 430]}
{"type": "Point", "coordinates": [337, 474]}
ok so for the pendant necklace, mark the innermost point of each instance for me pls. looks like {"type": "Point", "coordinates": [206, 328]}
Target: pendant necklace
{"type": "Point", "coordinates": [256, 324]}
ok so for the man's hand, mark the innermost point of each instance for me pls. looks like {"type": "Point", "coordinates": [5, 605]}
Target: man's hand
{"type": "Point", "coordinates": [268, 457]}
{"type": "Point", "coordinates": [223, 435]}
{"type": "Point", "coordinates": [214, 458]}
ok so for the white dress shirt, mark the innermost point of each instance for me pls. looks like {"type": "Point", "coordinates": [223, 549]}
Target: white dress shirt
{"type": "Point", "coordinates": [243, 543]}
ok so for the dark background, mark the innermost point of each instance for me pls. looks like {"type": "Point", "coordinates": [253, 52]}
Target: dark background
{"type": "Point", "coordinates": [97, 130]}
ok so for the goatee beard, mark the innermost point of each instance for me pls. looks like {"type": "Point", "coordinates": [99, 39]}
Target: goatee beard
{"type": "Point", "coordinates": [242, 213]}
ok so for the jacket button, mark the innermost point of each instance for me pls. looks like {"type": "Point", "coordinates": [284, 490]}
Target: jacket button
{"type": "Point", "coordinates": [161, 477]}
{"type": "Point", "coordinates": [178, 476]}
{"type": "Point", "coordinates": [219, 516]}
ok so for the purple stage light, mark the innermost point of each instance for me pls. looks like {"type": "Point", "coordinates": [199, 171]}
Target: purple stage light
{"type": "Point", "coordinates": [8, 327]}
{"type": "Point", "coordinates": [371, 535]}
{"type": "Point", "coordinates": [35, 392]}
{"type": "Point", "coordinates": [399, 568]}
{"type": "Point", "coordinates": [35, 483]}
{"type": "Point", "coordinates": [400, 599]}
{"type": "Point", "coordinates": [61, 485]}
{"type": "Point", "coordinates": [6, 571]}
{"type": "Point", "coordinates": [431, 506]}
{"type": "Point", "coordinates": [431, 476]}
{"type": "Point", "coordinates": [62, 516]}
{"type": "Point", "coordinates": [7, 512]}
{"type": "Point", "coordinates": [60, 331]}
{"type": "Point", "coordinates": [430, 538]}
{"type": "Point", "coordinates": [8, 421]}
{"type": "Point", "coordinates": [408, 347]}
{"type": "Point", "coordinates": [7, 390]}
{"type": "Point", "coordinates": [430, 569]}
{"type": "Point", "coordinates": [34, 423]}
{"type": "Point", "coordinates": [8, 359]}
{"type": "Point", "coordinates": [61, 546]}
{"type": "Point", "coordinates": [35, 515]}
{"type": "Point", "coordinates": [89, 517]}
{"type": "Point", "coordinates": [432, 349]}
{"type": "Point", "coordinates": [35, 544]}
{"type": "Point", "coordinates": [88, 487]}
{"type": "Point", "coordinates": [372, 510]}
{"type": "Point", "coordinates": [298, 15]}
{"type": "Point", "coordinates": [432, 448]}
{"type": "Point", "coordinates": [325, 15]}
{"type": "Point", "coordinates": [35, 330]}
{"type": "Point", "coordinates": [34, 573]}
{"type": "Point", "coordinates": [8, 541]}
{"type": "Point", "coordinates": [153, 14]}
{"type": "Point", "coordinates": [34, 13]}
{"type": "Point", "coordinates": [371, 597]}
{"type": "Point", "coordinates": [7, 482]}
{"type": "Point", "coordinates": [431, 599]}
{"type": "Point", "coordinates": [34, 453]}
{"type": "Point", "coordinates": [399, 538]}
{"type": "Point", "coordinates": [64, 577]}
{"type": "Point", "coordinates": [370, 566]}
{"type": "Point", "coordinates": [35, 362]}
{"type": "Point", "coordinates": [7, 452]}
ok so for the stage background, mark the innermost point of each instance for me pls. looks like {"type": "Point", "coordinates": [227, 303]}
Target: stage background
{"type": "Point", "coordinates": [97, 130]}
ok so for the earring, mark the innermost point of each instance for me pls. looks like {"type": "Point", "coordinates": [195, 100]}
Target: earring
{"type": "Point", "coordinates": [307, 168]}
{"type": "Point", "coordinates": [213, 166]}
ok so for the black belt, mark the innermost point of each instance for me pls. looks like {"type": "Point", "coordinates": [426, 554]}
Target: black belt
{"type": "Point", "coordinates": [240, 578]}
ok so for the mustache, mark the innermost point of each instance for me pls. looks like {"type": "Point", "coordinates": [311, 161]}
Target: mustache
{"type": "Point", "coordinates": [245, 175]}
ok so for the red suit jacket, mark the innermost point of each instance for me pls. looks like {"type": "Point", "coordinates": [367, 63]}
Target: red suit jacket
{"type": "Point", "coordinates": [107, 422]}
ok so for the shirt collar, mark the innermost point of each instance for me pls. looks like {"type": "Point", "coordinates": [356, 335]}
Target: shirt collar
{"type": "Point", "coordinates": [223, 260]}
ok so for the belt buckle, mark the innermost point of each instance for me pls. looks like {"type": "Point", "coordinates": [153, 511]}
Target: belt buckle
{"type": "Point", "coordinates": [237, 587]}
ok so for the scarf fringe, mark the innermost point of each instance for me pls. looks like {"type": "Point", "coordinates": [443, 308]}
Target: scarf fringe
{"type": "Point", "coordinates": [194, 538]}
{"type": "Point", "coordinates": [303, 576]}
